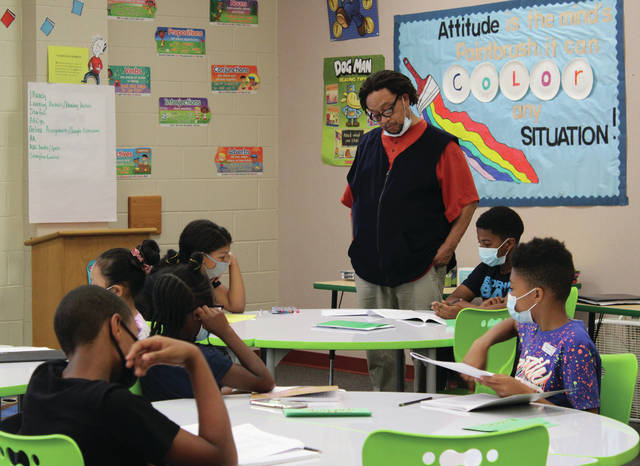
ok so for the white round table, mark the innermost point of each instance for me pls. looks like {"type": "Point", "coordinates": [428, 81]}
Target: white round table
{"type": "Point", "coordinates": [576, 437]}
{"type": "Point", "coordinates": [279, 333]}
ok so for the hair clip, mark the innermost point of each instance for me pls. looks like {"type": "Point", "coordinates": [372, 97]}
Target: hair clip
{"type": "Point", "coordinates": [135, 252]}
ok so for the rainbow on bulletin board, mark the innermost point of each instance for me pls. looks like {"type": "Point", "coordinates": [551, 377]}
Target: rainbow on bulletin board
{"type": "Point", "coordinates": [133, 163]}
{"type": "Point", "coordinates": [185, 42]}
{"type": "Point", "coordinates": [130, 80]}
{"type": "Point", "coordinates": [239, 161]}
{"type": "Point", "coordinates": [184, 111]}
{"type": "Point", "coordinates": [66, 64]}
{"type": "Point", "coordinates": [235, 79]}
{"type": "Point", "coordinates": [132, 9]}
{"type": "Point", "coordinates": [352, 19]}
{"type": "Point", "coordinates": [344, 120]}
{"type": "Point", "coordinates": [233, 12]}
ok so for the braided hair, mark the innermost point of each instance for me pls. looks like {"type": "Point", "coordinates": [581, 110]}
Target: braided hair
{"type": "Point", "coordinates": [177, 291]}
{"type": "Point", "coordinates": [129, 267]}
{"type": "Point", "coordinates": [197, 237]}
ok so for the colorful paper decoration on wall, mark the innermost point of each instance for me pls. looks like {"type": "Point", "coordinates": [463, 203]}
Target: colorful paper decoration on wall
{"type": "Point", "coordinates": [130, 79]}
{"type": "Point", "coordinates": [132, 9]}
{"type": "Point", "coordinates": [535, 95]}
{"type": "Point", "coordinates": [184, 111]}
{"type": "Point", "coordinates": [236, 79]}
{"type": "Point", "coordinates": [352, 19]}
{"type": "Point", "coordinates": [180, 41]}
{"type": "Point", "coordinates": [133, 163]}
{"type": "Point", "coordinates": [239, 161]}
{"type": "Point", "coordinates": [233, 12]}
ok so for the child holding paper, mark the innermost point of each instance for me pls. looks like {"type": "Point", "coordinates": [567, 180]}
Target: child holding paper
{"type": "Point", "coordinates": [88, 397]}
{"type": "Point", "coordinates": [499, 230]}
{"type": "Point", "coordinates": [555, 352]}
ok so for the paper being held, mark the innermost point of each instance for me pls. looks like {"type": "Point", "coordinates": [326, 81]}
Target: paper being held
{"type": "Point", "coordinates": [460, 367]}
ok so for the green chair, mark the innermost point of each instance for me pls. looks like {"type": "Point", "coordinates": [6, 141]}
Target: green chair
{"type": "Point", "coordinates": [43, 450]}
{"type": "Point", "coordinates": [572, 300]}
{"type": "Point", "coordinates": [619, 374]}
{"type": "Point", "coordinates": [523, 446]}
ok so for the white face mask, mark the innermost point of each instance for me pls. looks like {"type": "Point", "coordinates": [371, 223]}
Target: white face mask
{"type": "Point", "coordinates": [490, 255]}
{"type": "Point", "coordinates": [405, 126]}
{"type": "Point", "coordinates": [523, 317]}
{"type": "Point", "coordinates": [218, 270]}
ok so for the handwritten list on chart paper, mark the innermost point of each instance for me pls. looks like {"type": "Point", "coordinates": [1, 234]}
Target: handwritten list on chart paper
{"type": "Point", "coordinates": [71, 147]}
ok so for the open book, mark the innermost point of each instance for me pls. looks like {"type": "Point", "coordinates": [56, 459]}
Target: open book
{"type": "Point", "coordinates": [460, 367]}
{"type": "Point", "coordinates": [402, 314]}
{"type": "Point", "coordinates": [479, 401]}
{"type": "Point", "coordinates": [609, 299]}
{"type": "Point", "coordinates": [256, 447]}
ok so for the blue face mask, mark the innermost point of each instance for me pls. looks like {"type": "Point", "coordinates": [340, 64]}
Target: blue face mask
{"type": "Point", "coordinates": [218, 270]}
{"type": "Point", "coordinates": [203, 334]}
{"type": "Point", "coordinates": [523, 317]}
{"type": "Point", "coordinates": [489, 256]}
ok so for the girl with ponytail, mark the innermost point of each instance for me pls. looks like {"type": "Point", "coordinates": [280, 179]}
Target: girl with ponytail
{"type": "Point", "coordinates": [213, 242]}
{"type": "Point", "coordinates": [183, 308]}
{"type": "Point", "coordinates": [124, 271]}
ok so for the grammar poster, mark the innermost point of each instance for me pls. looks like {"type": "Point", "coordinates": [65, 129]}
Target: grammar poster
{"type": "Point", "coordinates": [130, 80]}
{"type": "Point", "coordinates": [133, 163]}
{"type": "Point", "coordinates": [183, 111]}
{"type": "Point", "coordinates": [344, 120]}
{"type": "Point", "coordinates": [235, 79]}
{"type": "Point", "coordinates": [535, 95]}
{"type": "Point", "coordinates": [132, 9]}
{"type": "Point", "coordinates": [180, 41]}
{"type": "Point", "coordinates": [234, 12]}
{"type": "Point", "coordinates": [239, 161]}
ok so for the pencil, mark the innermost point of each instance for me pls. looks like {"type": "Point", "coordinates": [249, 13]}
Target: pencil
{"type": "Point", "coordinates": [415, 401]}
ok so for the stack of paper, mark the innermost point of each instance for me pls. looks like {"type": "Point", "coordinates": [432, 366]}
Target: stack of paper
{"type": "Point", "coordinates": [295, 393]}
{"type": "Point", "coordinates": [402, 314]}
{"type": "Point", "coordinates": [479, 401]}
{"type": "Point", "coordinates": [256, 447]}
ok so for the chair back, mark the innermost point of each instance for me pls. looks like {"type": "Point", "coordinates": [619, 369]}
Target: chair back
{"type": "Point", "coordinates": [572, 300]}
{"type": "Point", "coordinates": [136, 389]}
{"type": "Point", "coordinates": [619, 374]}
{"type": "Point", "coordinates": [524, 446]}
{"type": "Point", "coordinates": [42, 450]}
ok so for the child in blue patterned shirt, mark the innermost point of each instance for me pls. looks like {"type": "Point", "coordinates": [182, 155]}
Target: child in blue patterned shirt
{"type": "Point", "coordinates": [555, 352]}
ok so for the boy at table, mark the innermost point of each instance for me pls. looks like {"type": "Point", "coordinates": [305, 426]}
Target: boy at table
{"type": "Point", "coordinates": [88, 398]}
{"type": "Point", "coordinates": [555, 352]}
{"type": "Point", "coordinates": [499, 230]}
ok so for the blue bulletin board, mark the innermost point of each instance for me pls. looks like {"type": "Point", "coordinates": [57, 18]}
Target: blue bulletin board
{"type": "Point", "coordinates": [534, 91]}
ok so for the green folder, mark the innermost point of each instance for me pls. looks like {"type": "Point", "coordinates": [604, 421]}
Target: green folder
{"type": "Point", "coordinates": [353, 325]}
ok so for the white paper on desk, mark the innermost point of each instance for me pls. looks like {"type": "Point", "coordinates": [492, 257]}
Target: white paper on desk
{"type": "Point", "coordinates": [402, 314]}
{"type": "Point", "coordinates": [20, 349]}
{"type": "Point", "coordinates": [256, 447]}
{"type": "Point", "coordinates": [344, 312]}
{"type": "Point", "coordinates": [460, 367]}
{"type": "Point", "coordinates": [479, 401]}
{"type": "Point", "coordinates": [334, 396]}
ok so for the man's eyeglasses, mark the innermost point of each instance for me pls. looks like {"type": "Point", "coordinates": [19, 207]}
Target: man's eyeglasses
{"type": "Point", "coordinates": [386, 113]}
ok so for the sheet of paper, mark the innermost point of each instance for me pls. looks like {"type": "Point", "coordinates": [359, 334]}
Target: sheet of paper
{"type": "Point", "coordinates": [479, 401]}
{"type": "Point", "coordinates": [67, 64]}
{"type": "Point", "coordinates": [231, 318]}
{"type": "Point", "coordinates": [509, 424]}
{"type": "Point", "coordinates": [256, 447]}
{"type": "Point", "coordinates": [403, 314]}
{"type": "Point", "coordinates": [460, 367]}
{"type": "Point", "coordinates": [344, 312]}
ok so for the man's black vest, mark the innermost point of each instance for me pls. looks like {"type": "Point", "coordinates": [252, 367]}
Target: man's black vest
{"type": "Point", "coordinates": [398, 214]}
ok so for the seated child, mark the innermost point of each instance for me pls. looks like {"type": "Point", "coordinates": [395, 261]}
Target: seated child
{"type": "Point", "coordinates": [88, 398]}
{"type": "Point", "coordinates": [555, 352]}
{"type": "Point", "coordinates": [214, 242]}
{"type": "Point", "coordinates": [499, 230]}
{"type": "Point", "coordinates": [123, 272]}
{"type": "Point", "coordinates": [182, 300]}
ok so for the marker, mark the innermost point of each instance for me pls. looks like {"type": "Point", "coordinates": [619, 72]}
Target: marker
{"type": "Point", "coordinates": [312, 449]}
{"type": "Point", "coordinates": [406, 403]}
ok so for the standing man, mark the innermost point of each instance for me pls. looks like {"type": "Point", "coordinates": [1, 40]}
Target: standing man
{"type": "Point", "coordinates": [412, 197]}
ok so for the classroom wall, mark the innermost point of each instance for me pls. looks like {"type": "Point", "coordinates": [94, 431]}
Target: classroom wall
{"type": "Point", "coordinates": [183, 171]}
{"type": "Point", "coordinates": [11, 178]}
{"type": "Point", "coordinates": [315, 230]}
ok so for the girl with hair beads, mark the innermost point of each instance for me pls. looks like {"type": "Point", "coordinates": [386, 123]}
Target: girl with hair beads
{"type": "Point", "coordinates": [182, 308]}
{"type": "Point", "coordinates": [124, 271]}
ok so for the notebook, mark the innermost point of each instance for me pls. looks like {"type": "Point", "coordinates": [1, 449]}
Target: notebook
{"type": "Point", "coordinates": [297, 392]}
{"type": "Point", "coordinates": [402, 314]}
{"type": "Point", "coordinates": [609, 299]}
{"type": "Point", "coordinates": [256, 447]}
{"type": "Point", "coordinates": [353, 325]}
{"type": "Point", "coordinates": [479, 401]}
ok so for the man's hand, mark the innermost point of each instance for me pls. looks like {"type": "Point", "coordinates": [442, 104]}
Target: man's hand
{"type": "Point", "coordinates": [443, 256]}
{"type": "Point", "coordinates": [444, 310]}
{"type": "Point", "coordinates": [159, 350]}
{"type": "Point", "coordinates": [212, 319]}
{"type": "Point", "coordinates": [494, 301]}
{"type": "Point", "coordinates": [505, 385]}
